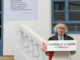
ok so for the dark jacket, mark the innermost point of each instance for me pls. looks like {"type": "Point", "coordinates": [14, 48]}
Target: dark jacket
{"type": "Point", "coordinates": [55, 37]}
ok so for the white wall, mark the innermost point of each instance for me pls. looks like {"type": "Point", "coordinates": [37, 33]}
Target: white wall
{"type": "Point", "coordinates": [41, 26]}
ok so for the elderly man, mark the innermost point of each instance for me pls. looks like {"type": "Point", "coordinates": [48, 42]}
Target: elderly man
{"type": "Point", "coordinates": [60, 30]}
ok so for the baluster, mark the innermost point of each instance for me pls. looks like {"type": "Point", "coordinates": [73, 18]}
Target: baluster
{"type": "Point", "coordinates": [42, 57]}
{"type": "Point", "coordinates": [31, 49]}
{"type": "Point", "coordinates": [26, 43]}
{"type": "Point", "coordinates": [36, 53]}
{"type": "Point", "coordinates": [20, 40]}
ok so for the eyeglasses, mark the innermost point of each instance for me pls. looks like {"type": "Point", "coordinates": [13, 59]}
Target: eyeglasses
{"type": "Point", "coordinates": [61, 28]}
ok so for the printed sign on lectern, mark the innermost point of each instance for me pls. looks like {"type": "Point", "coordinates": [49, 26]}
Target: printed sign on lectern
{"type": "Point", "coordinates": [63, 45]}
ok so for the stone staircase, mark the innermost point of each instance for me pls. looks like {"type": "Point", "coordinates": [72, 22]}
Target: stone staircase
{"type": "Point", "coordinates": [7, 57]}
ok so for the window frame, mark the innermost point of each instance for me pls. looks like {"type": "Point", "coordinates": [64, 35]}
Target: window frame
{"type": "Point", "coordinates": [1, 40]}
{"type": "Point", "coordinates": [66, 12]}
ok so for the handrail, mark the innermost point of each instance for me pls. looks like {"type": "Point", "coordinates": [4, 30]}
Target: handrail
{"type": "Point", "coordinates": [32, 33]}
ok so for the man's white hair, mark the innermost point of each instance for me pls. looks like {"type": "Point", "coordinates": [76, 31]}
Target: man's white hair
{"type": "Point", "coordinates": [56, 26]}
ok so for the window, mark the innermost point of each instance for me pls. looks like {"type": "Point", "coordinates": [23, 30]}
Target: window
{"type": "Point", "coordinates": [1, 28]}
{"type": "Point", "coordinates": [0, 19]}
{"type": "Point", "coordinates": [67, 12]}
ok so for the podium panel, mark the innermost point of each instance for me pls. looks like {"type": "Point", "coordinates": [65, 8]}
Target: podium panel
{"type": "Point", "coordinates": [64, 45]}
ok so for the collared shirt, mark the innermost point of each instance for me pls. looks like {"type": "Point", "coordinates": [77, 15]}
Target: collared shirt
{"type": "Point", "coordinates": [59, 38]}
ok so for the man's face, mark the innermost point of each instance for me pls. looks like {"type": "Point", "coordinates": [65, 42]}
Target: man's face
{"type": "Point", "coordinates": [61, 29]}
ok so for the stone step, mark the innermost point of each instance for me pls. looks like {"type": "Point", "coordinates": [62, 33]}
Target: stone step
{"type": "Point", "coordinates": [7, 57]}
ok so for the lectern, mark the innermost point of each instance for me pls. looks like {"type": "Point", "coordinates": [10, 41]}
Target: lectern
{"type": "Point", "coordinates": [61, 50]}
